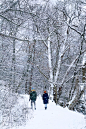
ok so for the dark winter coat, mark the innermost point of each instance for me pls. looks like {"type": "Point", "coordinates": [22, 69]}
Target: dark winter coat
{"type": "Point", "coordinates": [45, 98]}
{"type": "Point", "coordinates": [33, 95]}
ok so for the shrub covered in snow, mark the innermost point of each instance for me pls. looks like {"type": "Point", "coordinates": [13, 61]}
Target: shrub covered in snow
{"type": "Point", "coordinates": [13, 108]}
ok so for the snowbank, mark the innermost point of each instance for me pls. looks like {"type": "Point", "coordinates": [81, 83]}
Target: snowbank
{"type": "Point", "coordinates": [55, 117]}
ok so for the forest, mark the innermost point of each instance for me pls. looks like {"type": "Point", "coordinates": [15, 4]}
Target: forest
{"type": "Point", "coordinates": [43, 45]}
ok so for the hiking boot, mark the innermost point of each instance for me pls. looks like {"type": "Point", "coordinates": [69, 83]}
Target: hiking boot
{"type": "Point", "coordinates": [45, 108]}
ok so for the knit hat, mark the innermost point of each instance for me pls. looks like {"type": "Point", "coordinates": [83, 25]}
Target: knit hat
{"type": "Point", "coordinates": [44, 91]}
{"type": "Point", "coordinates": [32, 89]}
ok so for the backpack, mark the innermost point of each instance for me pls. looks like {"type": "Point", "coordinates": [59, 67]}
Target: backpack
{"type": "Point", "coordinates": [33, 95]}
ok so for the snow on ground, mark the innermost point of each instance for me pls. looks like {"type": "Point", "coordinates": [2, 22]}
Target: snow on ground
{"type": "Point", "coordinates": [55, 117]}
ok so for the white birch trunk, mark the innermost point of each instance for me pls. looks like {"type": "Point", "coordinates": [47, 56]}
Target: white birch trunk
{"type": "Point", "coordinates": [58, 69]}
{"type": "Point", "coordinates": [59, 63]}
{"type": "Point", "coordinates": [84, 59]}
{"type": "Point", "coordinates": [50, 69]}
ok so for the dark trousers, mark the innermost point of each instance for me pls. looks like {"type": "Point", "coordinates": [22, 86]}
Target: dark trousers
{"type": "Point", "coordinates": [33, 102]}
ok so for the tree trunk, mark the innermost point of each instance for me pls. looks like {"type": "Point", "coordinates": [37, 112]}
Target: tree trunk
{"type": "Point", "coordinates": [75, 99]}
{"type": "Point", "coordinates": [79, 93]}
{"type": "Point", "coordinates": [50, 70]}
{"type": "Point", "coordinates": [55, 94]}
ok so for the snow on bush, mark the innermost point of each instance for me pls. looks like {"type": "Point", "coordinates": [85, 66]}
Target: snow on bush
{"type": "Point", "coordinates": [14, 109]}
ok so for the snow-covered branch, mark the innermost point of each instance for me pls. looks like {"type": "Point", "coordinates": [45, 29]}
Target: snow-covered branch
{"type": "Point", "coordinates": [67, 72]}
{"type": "Point", "coordinates": [12, 37]}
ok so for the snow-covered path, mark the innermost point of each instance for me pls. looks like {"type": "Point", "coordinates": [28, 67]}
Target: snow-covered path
{"type": "Point", "coordinates": [55, 117]}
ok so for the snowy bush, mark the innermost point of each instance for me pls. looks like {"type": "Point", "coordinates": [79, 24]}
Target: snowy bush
{"type": "Point", "coordinates": [13, 108]}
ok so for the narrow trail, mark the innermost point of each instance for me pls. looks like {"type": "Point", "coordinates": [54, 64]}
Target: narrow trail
{"type": "Point", "coordinates": [55, 117]}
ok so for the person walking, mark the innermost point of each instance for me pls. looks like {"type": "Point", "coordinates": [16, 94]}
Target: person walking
{"type": "Point", "coordinates": [45, 98]}
{"type": "Point", "coordinates": [33, 97]}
